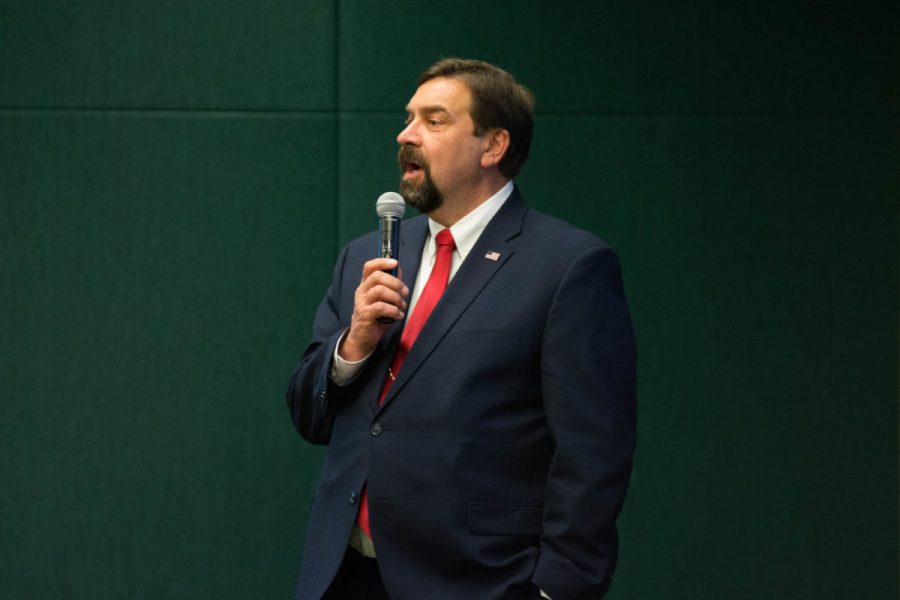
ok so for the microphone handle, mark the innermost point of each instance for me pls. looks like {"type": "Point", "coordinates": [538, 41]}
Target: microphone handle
{"type": "Point", "coordinates": [389, 240]}
{"type": "Point", "coordinates": [389, 247]}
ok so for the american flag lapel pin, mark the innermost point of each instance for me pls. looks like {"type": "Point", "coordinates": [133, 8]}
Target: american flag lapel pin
{"type": "Point", "coordinates": [492, 255]}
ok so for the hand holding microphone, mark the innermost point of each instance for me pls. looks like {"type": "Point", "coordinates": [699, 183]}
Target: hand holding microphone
{"type": "Point", "coordinates": [380, 297]}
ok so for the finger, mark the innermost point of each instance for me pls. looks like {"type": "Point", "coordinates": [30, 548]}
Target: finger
{"type": "Point", "coordinates": [380, 278]}
{"type": "Point", "coordinates": [378, 264]}
{"type": "Point", "coordinates": [383, 294]}
{"type": "Point", "coordinates": [371, 312]}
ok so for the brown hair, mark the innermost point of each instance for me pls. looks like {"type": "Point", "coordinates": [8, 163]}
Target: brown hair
{"type": "Point", "coordinates": [497, 102]}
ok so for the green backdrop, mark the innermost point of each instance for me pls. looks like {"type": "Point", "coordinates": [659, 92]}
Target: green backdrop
{"type": "Point", "coordinates": [176, 179]}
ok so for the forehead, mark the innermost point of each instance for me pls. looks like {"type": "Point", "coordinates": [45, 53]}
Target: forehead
{"type": "Point", "coordinates": [443, 93]}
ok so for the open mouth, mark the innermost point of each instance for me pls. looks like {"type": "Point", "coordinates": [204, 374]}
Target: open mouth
{"type": "Point", "coordinates": [410, 168]}
{"type": "Point", "coordinates": [411, 164]}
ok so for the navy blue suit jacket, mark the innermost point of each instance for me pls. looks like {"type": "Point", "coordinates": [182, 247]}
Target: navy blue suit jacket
{"type": "Point", "coordinates": [500, 458]}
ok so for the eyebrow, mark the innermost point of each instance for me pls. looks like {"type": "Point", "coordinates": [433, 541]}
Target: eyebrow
{"type": "Point", "coordinates": [430, 109]}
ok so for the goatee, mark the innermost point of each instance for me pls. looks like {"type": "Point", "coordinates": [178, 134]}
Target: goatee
{"type": "Point", "coordinates": [419, 192]}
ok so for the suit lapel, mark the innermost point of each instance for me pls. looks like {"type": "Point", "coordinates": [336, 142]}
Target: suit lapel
{"type": "Point", "coordinates": [474, 274]}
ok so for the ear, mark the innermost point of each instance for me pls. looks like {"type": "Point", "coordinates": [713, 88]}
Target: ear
{"type": "Point", "coordinates": [496, 143]}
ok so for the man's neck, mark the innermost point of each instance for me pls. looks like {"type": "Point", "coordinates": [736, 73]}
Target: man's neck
{"type": "Point", "coordinates": [455, 208]}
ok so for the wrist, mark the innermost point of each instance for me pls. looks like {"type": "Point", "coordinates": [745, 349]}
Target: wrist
{"type": "Point", "coordinates": [349, 350]}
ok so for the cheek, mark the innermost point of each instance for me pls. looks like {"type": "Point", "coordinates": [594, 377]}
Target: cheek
{"type": "Point", "coordinates": [467, 158]}
{"type": "Point", "coordinates": [454, 159]}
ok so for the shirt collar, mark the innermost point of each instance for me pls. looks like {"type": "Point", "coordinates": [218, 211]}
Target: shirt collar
{"type": "Point", "coordinates": [467, 230]}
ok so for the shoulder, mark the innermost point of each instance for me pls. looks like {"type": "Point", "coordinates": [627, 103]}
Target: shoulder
{"type": "Point", "coordinates": [367, 241]}
{"type": "Point", "coordinates": [365, 247]}
{"type": "Point", "coordinates": [557, 238]}
{"type": "Point", "coordinates": [408, 227]}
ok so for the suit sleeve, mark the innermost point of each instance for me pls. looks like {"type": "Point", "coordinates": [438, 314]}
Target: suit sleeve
{"type": "Point", "coordinates": [588, 378]}
{"type": "Point", "coordinates": [313, 399]}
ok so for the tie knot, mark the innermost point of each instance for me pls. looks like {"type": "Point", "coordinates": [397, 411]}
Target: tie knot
{"type": "Point", "coordinates": [445, 238]}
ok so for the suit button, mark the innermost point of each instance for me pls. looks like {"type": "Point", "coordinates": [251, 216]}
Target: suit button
{"type": "Point", "coordinates": [375, 429]}
{"type": "Point", "coordinates": [352, 497]}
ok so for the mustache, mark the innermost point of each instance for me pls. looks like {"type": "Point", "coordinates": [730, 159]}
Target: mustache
{"type": "Point", "coordinates": [410, 155]}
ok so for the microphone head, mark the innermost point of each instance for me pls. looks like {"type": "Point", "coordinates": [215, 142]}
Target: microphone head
{"type": "Point", "coordinates": [390, 204]}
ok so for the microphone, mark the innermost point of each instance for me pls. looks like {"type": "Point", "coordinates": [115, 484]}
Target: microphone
{"type": "Point", "coordinates": [390, 208]}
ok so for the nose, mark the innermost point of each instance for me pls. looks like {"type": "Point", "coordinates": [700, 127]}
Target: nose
{"type": "Point", "coordinates": [408, 135]}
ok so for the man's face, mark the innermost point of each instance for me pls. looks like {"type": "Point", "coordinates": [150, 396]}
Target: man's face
{"type": "Point", "coordinates": [440, 155]}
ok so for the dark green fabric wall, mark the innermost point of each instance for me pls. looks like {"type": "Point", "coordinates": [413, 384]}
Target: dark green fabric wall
{"type": "Point", "coordinates": [177, 177]}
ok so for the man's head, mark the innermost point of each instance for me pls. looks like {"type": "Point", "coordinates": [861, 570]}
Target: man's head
{"type": "Point", "coordinates": [469, 128]}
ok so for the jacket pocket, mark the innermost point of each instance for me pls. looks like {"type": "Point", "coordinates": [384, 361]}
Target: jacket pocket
{"type": "Point", "coordinates": [505, 519]}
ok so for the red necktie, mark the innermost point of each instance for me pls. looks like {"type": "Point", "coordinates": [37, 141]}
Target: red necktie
{"type": "Point", "coordinates": [434, 289]}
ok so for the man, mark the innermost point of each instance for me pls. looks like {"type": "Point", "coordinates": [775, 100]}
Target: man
{"type": "Point", "coordinates": [480, 446]}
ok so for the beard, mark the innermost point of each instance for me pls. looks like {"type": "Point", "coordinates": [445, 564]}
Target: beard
{"type": "Point", "coordinates": [420, 192]}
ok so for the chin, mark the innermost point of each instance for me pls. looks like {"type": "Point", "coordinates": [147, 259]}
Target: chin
{"type": "Point", "coordinates": [421, 195]}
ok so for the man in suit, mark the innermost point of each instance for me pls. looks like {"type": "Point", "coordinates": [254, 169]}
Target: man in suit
{"type": "Point", "coordinates": [480, 446]}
